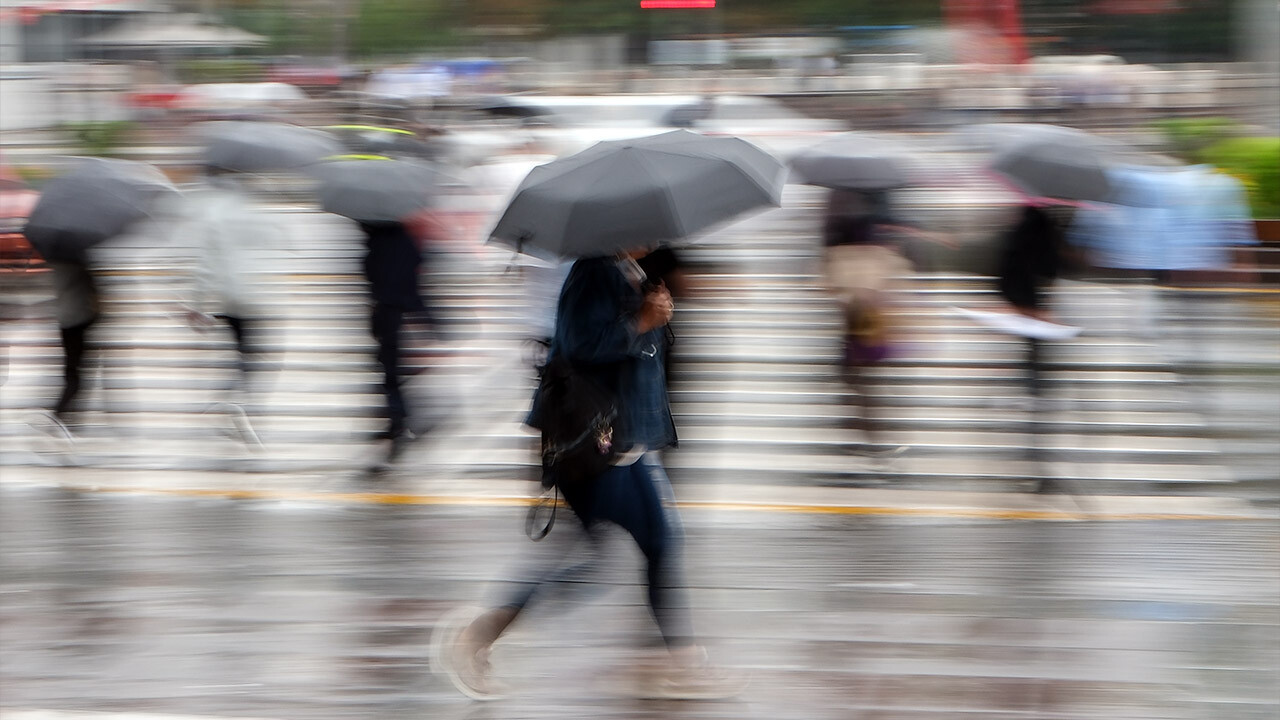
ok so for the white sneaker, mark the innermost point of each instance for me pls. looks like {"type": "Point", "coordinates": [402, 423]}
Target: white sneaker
{"type": "Point", "coordinates": [690, 676]}
{"type": "Point", "coordinates": [460, 649]}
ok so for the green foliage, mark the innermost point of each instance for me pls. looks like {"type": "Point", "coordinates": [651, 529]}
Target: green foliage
{"type": "Point", "coordinates": [1254, 161]}
{"type": "Point", "coordinates": [387, 27]}
{"type": "Point", "coordinates": [1188, 136]}
{"type": "Point", "coordinates": [101, 138]}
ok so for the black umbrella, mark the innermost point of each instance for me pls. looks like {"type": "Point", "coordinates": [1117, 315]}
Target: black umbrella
{"type": "Point", "coordinates": [95, 201]}
{"type": "Point", "coordinates": [505, 107]}
{"type": "Point", "coordinates": [376, 190]}
{"type": "Point", "coordinates": [255, 147]}
{"type": "Point", "coordinates": [1054, 169]}
{"type": "Point", "coordinates": [623, 194]}
{"type": "Point", "coordinates": [855, 161]}
{"type": "Point", "coordinates": [375, 140]}
{"type": "Point", "coordinates": [688, 116]}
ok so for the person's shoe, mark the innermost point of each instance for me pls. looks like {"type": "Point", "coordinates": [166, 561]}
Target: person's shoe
{"type": "Point", "coordinates": [54, 427]}
{"type": "Point", "coordinates": [690, 676]}
{"type": "Point", "coordinates": [244, 428]}
{"type": "Point", "coordinates": [399, 442]}
{"type": "Point", "coordinates": [461, 646]}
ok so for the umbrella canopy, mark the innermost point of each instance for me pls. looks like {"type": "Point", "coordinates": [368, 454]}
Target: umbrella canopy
{"type": "Point", "coordinates": [994, 137]}
{"type": "Point", "coordinates": [623, 194]}
{"type": "Point", "coordinates": [1054, 169]}
{"type": "Point", "coordinates": [95, 201]}
{"type": "Point", "coordinates": [376, 190]}
{"type": "Point", "coordinates": [855, 161]}
{"type": "Point", "coordinates": [514, 108]}
{"type": "Point", "coordinates": [375, 140]}
{"type": "Point", "coordinates": [254, 147]}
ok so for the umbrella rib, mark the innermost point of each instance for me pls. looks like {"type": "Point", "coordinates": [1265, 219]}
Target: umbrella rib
{"type": "Point", "coordinates": [666, 190]}
{"type": "Point", "coordinates": [736, 167]}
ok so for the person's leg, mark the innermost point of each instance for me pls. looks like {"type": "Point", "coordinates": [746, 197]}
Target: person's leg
{"type": "Point", "coordinates": [73, 347]}
{"type": "Point", "coordinates": [637, 502]}
{"type": "Point", "coordinates": [240, 332]}
{"type": "Point", "coordinates": [466, 642]}
{"type": "Point", "coordinates": [386, 330]}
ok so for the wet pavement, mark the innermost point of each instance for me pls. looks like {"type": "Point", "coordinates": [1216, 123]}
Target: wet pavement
{"type": "Point", "coordinates": [300, 610]}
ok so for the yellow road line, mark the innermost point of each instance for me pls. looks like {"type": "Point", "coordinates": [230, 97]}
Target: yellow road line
{"type": "Point", "coordinates": [371, 498]}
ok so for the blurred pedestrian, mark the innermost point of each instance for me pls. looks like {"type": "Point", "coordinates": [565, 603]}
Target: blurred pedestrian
{"type": "Point", "coordinates": [862, 266]}
{"type": "Point", "coordinates": [1033, 253]}
{"type": "Point", "coordinates": [232, 236]}
{"type": "Point", "coordinates": [610, 331]}
{"type": "Point", "coordinates": [391, 267]}
{"type": "Point", "coordinates": [77, 307]}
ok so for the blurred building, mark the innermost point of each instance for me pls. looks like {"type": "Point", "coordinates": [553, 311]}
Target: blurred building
{"type": "Point", "coordinates": [51, 30]}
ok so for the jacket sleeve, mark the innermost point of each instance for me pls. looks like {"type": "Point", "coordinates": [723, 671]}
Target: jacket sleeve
{"type": "Point", "coordinates": [596, 329]}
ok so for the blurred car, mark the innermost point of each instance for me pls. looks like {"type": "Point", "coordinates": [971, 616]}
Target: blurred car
{"type": "Point", "coordinates": [155, 97]}
{"type": "Point", "coordinates": [312, 77]}
{"type": "Point", "coordinates": [227, 101]}
{"type": "Point", "coordinates": [16, 203]}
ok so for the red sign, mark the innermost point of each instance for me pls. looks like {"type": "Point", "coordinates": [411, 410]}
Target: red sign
{"type": "Point", "coordinates": [675, 4]}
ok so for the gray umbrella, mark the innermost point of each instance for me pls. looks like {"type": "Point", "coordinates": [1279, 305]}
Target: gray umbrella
{"type": "Point", "coordinates": [1054, 169]}
{"type": "Point", "coordinates": [255, 147]}
{"type": "Point", "coordinates": [624, 194]}
{"type": "Point", "coordinates": [376, 190]}
{"type": "Point", "coordinates": [95, 201]}
{"type": "Point", "coordinates": [855, 161]}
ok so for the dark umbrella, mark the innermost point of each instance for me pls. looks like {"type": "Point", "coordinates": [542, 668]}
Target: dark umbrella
{"type": "Point", "coordinates": [994, 137]}
{"type": "Point", "coordinates": [855, 161]}
{"type": "Point", "coordinates": [623, 194]}
{"type": "Point", "coordinates": [688, 116]}
{"type": "Point", "coordinates": [997, 137]}
{"type": "Point", "coordinates": [95, 201]}
{"type": "Point", "coordinates": [1054, 169]}
{"type": "Point", "coordinates": [254, 147]}
{"type": "Point", "coordinates": [376, 190]}
{"type": "Point", "coordinates": [375, 140]}
{"type": "Point", "coordinates": [504, 107]}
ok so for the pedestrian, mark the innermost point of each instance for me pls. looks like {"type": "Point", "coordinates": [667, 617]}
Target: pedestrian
{"type": "Point", "coordinates": [609, 330]}
{"type": "Point", "coordinates": [232, 236]}
{"type": "Point", "coordinates": [391, 267]}
{"type": "Point", "coordinates": [77, 306]}
{"type": "Point", "coordinates": [1032, 255]}
{"type": "Point", "coordinates": [862, 265]}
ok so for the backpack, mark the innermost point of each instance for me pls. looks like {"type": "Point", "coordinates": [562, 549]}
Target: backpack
{"type": "Point", "coordinates": [579, 419]}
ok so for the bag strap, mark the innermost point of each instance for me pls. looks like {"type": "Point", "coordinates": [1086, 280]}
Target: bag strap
{"type": "Point", "coordinates": [531, 519]}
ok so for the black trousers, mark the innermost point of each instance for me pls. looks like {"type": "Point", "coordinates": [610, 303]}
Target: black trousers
{"type": "Point", "coordinates": [386, 323]}
{"type": "Point", "coordinates": [73, 349]}
{"type": "Point", "coordinates": [240, 330]}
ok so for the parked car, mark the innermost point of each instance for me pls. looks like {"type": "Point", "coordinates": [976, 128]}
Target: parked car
{"type": "Point", "coordinates": [16, 203]}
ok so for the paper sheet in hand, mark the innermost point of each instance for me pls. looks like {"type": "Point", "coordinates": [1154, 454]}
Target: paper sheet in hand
{"type": "Point", "coordinates": [1020, 325]}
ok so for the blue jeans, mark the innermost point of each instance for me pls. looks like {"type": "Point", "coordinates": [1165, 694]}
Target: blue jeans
{"type": "Point", "coordinates": [635, 497]}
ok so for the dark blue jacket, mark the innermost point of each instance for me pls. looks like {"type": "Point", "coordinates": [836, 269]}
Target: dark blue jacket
{"type": "Point", "coordinates": [595, 331]}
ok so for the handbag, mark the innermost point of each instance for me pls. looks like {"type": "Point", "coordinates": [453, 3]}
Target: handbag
{"type": "Point", "coordinates": [578, 419]}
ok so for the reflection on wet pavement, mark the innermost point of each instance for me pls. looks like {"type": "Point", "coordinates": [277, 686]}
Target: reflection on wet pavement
{"type": "Point", "coordinates": [278, 610]}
